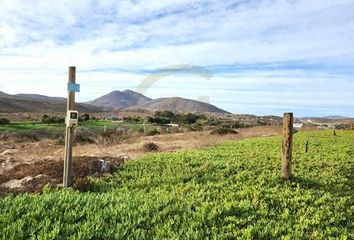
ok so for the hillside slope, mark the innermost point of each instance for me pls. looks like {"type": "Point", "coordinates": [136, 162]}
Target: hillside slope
{"type": "Point", "coordinates": [13, 103]}
{"type": "Point", "coordinates": [177, 104]}
{"type": "Point", "coordinates": [119, 100]}
{"type": "Point", "coordinates": [2, 94]}
{"type": "Point", "coordinates": [132, 100]}
{"type": "Point", "coordinates": [38, 97]}
{"type": "Point", "coordinates": [112, 101]}
{"type": "Point", "coordinates": [230, 191]}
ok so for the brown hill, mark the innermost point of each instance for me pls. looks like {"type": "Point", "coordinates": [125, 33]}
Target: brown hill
{"type": "Point", "coordinates": [38, 103]}
{"type": "Point", "coordinates": [115, 100]}
{"type": "Point", "coordinates": [177, 104]}
{"type": "Point", "coordinates": [120, 100]}
{"type": "Point", "coordinates": [2, 94]}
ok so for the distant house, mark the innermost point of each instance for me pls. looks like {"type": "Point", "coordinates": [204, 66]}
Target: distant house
{"type": "Point", "coordinates": [298, 125]}
{"type": "Point", "coordinates": [172, 125]}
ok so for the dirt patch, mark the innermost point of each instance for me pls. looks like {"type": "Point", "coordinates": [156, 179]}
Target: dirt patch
{"type": "Point", "coordinates": [32, 177]}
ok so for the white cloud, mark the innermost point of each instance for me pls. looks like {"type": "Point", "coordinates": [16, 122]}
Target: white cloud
{"type": "Point", "coordinates": [40, 39]}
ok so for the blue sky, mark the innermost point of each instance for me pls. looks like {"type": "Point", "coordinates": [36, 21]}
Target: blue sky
{"type": "Point", "coordinates": [246, 56]}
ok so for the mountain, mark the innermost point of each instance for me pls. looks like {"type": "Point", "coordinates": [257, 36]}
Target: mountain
{"type": "Point", "coordinates": [38, 103]}
{"type": "Point", "coordinates": [177, 104]}
{"type": "Point", "coordinates": [2, 94]}
{"type": "Point", "coordinates": [337, 117]}
{"type": "Point", "coordinates": [114, 100]}
{"type": "Point", "coordinates": [132, 100]}
{"type": "Point", "coordinates": [38, 97]}
{"type": "Point", "coordinates": [327, 118]}
{"type": "Point", "coordinates": [119, 100]}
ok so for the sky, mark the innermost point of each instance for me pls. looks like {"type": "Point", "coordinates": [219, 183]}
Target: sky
{"type": "Point", "coordinates": [246, 56]}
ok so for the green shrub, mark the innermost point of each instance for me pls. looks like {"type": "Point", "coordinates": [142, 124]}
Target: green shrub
{"type": "Point", "coordinates": [159, 120]}
{"type": "Point", "coordinates": [52, 119]}
{"type": "Point", "coordinates": [133, 119]}
{"type": "Point", "coordinates": [165, 114]}
{"type": "Point", "coordinates": [4, 121]}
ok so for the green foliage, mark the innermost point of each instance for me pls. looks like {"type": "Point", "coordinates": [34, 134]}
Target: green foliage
{"type": "Point", "coordinates": [230, 191]}
{"type": "Point", "coordinates": [133, 119]}
{"type": "Point", "coordinates": [189, 118]}
{"type": "Point", "coordinates": [166, 117]}
{"type": "Point", "coordinates": [4, 121]}
{"type": "Point", "coordinates": [159, 120]}
{"type": "Point", "coordinates": [56, 130]}
{"type": "Point", "coordinates": [165, 114]}
{"type": "Point", "coordinates": [52, 119]}
{"type": "Point", "coordinates": [30, 126]}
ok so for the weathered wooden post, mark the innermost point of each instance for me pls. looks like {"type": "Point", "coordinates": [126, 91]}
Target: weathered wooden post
{"type": "Point", "coordinates": [144, 126]}
{"type": "Point", "coordinates": [306, 146]}
{"type": "Point", "coordinates": [286, 161]}
{"type": "Point", "coordinates": [72, 88]}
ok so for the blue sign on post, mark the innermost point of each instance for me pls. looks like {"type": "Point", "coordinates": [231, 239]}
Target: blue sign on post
{"type": "Point", "coordinates": [73, 87]}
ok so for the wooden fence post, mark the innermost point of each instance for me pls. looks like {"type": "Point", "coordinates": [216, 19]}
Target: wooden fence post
{"type": "Point", "coordinates": [306, 146]}
{"type": "Point", "coordinates": [288, 121]}
{"type": "Point", "coordinates": [67, 175]}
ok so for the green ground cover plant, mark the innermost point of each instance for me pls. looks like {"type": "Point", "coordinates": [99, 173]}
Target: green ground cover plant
{"type": "Point", "coordinates": [230, 191]}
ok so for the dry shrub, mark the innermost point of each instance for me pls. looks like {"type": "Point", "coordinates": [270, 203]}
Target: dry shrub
{"type": "Point", "coordinates": [60, 141]}
{"type": "Point", "coordinates": [84, 135]}
{"type": "Point", "coordinates": [59, 138]}
{"type": "Point", "coordinates": [176, 130]}
{"type": "Point", "coordinates": [223, 131]}
{"type": "Point", "coordinates": [113, 135]}
{"type": "Point", "coordinates": [83, 184]}
{"type": "Point", "coordinates": [27, 137]}
{"type": "Point", "coordinates": [153, 133]}
{"type": "Point", "coordinates": [6, 135]}
{"type": "Point", "coordinates": [150, 147]}
{"type": "Point", "coordinates": [33, 135]}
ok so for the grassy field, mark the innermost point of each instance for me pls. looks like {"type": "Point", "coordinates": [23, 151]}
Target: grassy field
{"type": "Point", "coordinates": [95, 125]}
{"type": "Point", "coordinates": [230, 191]}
